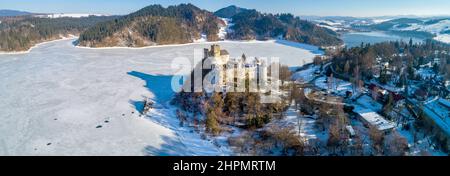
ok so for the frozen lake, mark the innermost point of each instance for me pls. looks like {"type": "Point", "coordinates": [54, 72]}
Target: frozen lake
{"type": "Point", "coordinates": [63, 100]}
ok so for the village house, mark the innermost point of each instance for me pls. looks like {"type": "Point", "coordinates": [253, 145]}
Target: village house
{"type": "Point", "coordinates": [382, 93]}
{"type": "Point", "coordinates": [373, 119]}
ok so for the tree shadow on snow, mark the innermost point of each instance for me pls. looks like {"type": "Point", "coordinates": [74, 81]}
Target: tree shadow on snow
{"type": "Point", "coordinates": [138, 105]}
{"type": "Point", "coordinates": [170, 147]}
{"type": "Point", "coordinates": [311, 48]}
{"type": "Point", "coordinates": [159, 85]}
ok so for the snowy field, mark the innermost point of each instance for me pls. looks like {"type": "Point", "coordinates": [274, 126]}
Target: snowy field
{"type": "Point", "coordinates": [354, 39]}
{"type": "Point", "coordinates": [438, 28]}
{"type": "Point", "coordinates": [62, 100]}
{"type": "Point", "coordinates": [306, 75]}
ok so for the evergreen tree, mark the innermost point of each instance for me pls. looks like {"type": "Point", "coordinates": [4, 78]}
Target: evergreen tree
{"type": "Point", "coordinates": [232, 104]}
{"type": "Point", "coordinates": [347, 67]}
{"type": "Point", "coordinates": [212, 126]}
{"type": "Point", "coordinates": [387, 108]}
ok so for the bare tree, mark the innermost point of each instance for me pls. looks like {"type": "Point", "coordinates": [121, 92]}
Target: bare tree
{"type": "Point", "coordinates": [356, 79]}
{"type": "Point", "coordinates": [317, 60]}
{"type": "Point", "coordinates": [395, 145]}
{"type": "Point", "coordinates": [375, 93]}
{"type": "Point", "coordinates": [357, 146]}
{"type": "Point", "coordinates": [347, 67]}
{"type": "Point", "coordinates": [330, 82]}
{"type": "Point", "coordinates": [334, 137]}
{"type": "Point", "coordinates": [377, 138]}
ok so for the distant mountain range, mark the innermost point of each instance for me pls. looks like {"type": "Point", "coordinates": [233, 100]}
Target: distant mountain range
{"type": "Point", "coordinates": [437, 28]}
{"type": "Point", "coordinates": [431, 26]}
{"type": "Point", "coordinates": [5, 12]}
{"type": "Point", "coordinates": [16, 13]}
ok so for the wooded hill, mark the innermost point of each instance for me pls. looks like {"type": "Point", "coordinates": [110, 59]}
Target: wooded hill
{"type": "Point", "coordinates": [21, 33]}
{"type": "Point", "coordinates": [251, 24]}
{"type": "Point", "coordinates": [154, 25]}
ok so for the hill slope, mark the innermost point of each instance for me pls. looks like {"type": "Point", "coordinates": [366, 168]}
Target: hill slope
{"type": "Point", "coordinates": [22, 32]}
{"type": "Point", "coordinates": [185, 23]}
{"type": "Point", "coordinates": [255, 25]}
{"type": "Point", "coordinates": [438, 29]}
{"type": "Point", "coordinates": [154, 25]}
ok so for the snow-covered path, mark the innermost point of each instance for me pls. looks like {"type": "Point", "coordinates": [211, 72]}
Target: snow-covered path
{"type": "Point", "coordinates": [63, 100]}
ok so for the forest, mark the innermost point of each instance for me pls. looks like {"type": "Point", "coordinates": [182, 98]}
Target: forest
{"type": "Point", "coordinates": [398, 54]}
{"type": "Point", "coordinates": [183, 23]}
{"type": "Point", "coordinates": [252, 24]}
{"type": "Point", "coordinates": [21, 33]}
{"type": "Point", "coordinates": [154, 25]}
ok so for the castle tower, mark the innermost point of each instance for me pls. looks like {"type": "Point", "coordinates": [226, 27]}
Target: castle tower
{"type": "Point", "coordinates": [219, 61]}
{"type": "Point", "coordinates": [205, 53]}
{"type": "Point", "coordinates": [215, 49]}
{"type": "Point", "coordinates": [262, 73]}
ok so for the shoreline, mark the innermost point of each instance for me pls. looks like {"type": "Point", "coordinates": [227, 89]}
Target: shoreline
{"type": "Point", "coordinates": [276, 41]}
{"type": "Point", "coordinates": [184, 44]}
{"type": "Point", "coordinates": [311, 48]}
{"type": "Point", "coordinates": [35, 46]}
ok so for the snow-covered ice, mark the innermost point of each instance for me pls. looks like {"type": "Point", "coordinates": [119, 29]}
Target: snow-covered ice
{"type": "Point", "coordinates": [63, 100]}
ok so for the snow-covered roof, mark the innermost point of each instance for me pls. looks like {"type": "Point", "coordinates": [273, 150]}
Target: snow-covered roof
{"type": "Point", "coordinates": [224, 53]}
{"type": "Point", "coordinates": [367, 109]}
{"type": "Point", "coordinates": [439, 112]}
{"type": "Point", "coordinates": [373, 118]}
{"type": "Point", "coordinates": [388, 87]}
{"type": "Point", "coordinates": [350, 130]}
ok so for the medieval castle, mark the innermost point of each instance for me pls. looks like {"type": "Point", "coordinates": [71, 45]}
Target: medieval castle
{"type": "Point", "coordinates": [231, 70]}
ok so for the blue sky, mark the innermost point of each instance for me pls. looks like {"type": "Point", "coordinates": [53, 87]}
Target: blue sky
{"type": "Point", "coordinates": [297, 7]}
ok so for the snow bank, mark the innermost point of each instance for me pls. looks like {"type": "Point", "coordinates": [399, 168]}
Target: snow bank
{"type": "Point", "coordinates": [71, 37]}
{"type": "Point", "coordinates": [443, 38]}
{"type": "Point", "coordinates": [305, 75]}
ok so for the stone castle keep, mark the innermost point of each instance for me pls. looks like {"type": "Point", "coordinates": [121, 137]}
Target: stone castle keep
{"type": "Point", "coordinates": [230, 70]}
